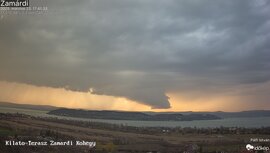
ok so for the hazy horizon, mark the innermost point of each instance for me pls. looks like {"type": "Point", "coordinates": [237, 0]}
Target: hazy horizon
{"type": "Point", "coordinates": [184, 111]}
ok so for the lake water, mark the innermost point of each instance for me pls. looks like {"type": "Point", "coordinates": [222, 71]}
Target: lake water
{"type": "Point", "coordinates": [228, 122]}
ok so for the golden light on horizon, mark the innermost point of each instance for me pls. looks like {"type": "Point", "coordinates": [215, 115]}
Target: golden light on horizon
{"type": "Point", "coordinates": [216, 103]}
{"type": "Point", "coordinates": [61, 97]}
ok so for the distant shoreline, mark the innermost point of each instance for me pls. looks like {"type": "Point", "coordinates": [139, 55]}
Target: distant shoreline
{"type": "Point", "coordinates": [255, 122]}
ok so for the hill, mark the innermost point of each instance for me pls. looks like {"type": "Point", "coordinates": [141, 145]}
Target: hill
{"type": "Point", "coordinates": [121, 115]}
{"type": "Point", "coordinates": [28, 106]}
{"type": "Point", "coordinates": [242, 114]}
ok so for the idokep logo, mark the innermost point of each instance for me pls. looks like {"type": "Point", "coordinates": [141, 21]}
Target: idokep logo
{"type": "Point", "coordinates": [249, 147]}
{"type": "Point", "coordinates": [14, 3]}
{"type": "Point", "coordinates": [257, 148]}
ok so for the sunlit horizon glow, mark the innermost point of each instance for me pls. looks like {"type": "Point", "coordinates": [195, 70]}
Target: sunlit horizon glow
{"type": "Point", "coordinates": [29, 94]}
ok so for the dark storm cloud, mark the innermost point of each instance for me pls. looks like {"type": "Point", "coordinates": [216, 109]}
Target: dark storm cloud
{"type": "Point", "coordinates": [139, 49]}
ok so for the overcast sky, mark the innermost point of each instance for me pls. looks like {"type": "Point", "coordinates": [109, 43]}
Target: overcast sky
{"type": "Point", "coordinates": [143, 49]}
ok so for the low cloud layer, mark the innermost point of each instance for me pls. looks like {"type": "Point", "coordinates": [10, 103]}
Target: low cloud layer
{"type": "Point", "coordinates": [140, 49]}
